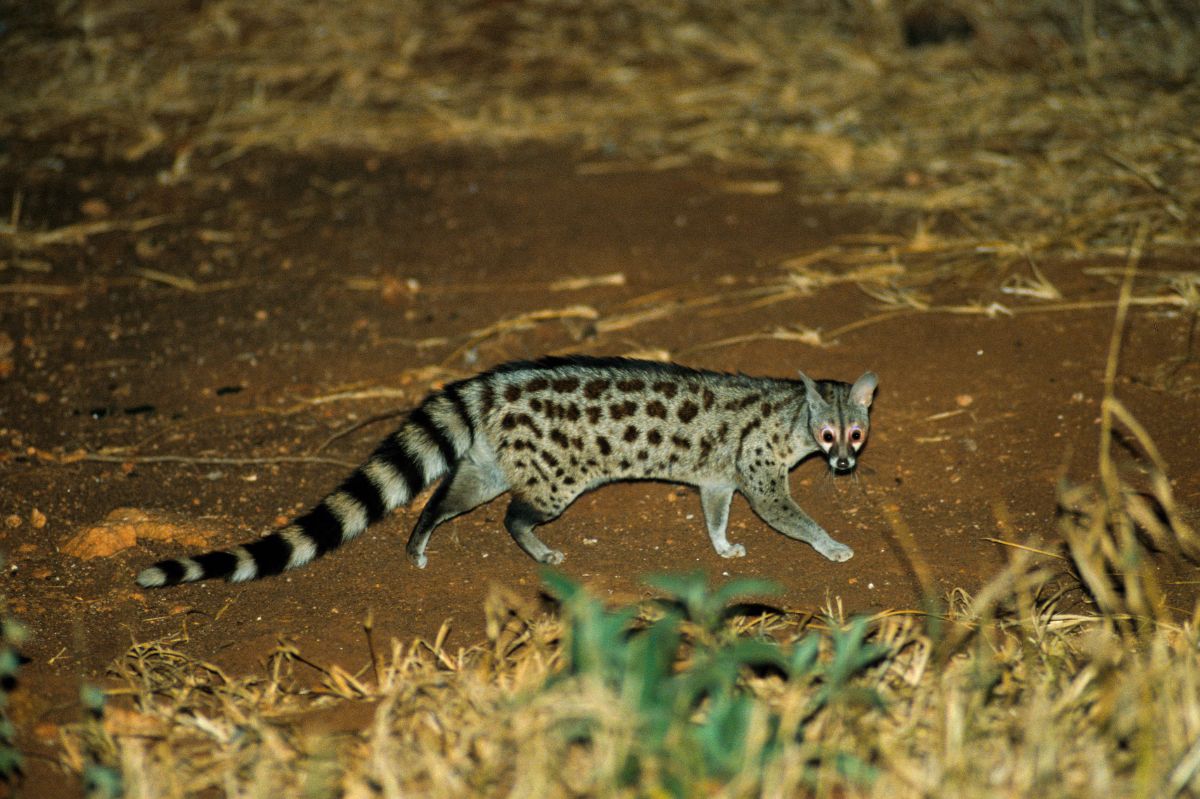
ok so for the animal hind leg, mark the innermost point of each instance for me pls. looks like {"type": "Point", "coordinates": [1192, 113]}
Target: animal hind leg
{"type": "Point", "coordinates": [520, 520]}
{"type": "Point", "coordinates": [468, 486]}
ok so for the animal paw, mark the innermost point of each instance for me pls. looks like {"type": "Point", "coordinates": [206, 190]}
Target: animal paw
{"type": "Point", "coordinates": [836, 552]}
{"type": "Point", "coordinates": [732, 551]}
{"type": "Point", "coordinates": [553, 558]}
{"type": "Point", "coordinates": [418, 559]}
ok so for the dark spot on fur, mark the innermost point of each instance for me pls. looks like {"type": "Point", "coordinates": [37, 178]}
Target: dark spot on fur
{"type": "Point", "coordinates": [572, 412]}
{"type": "Point", "coordinates": [565, 385]}
{"type": "Point", "coordinates": [656, 409]}
{"type": "Point", "coordinates": [631, 434]}
{"type": "Point", "coordinates": [693, 387]}
{"type": "Point", "coordinates": [681, 442]}
{"type": "Point", "coordinates": [625, 464]}
{"type": "Point", "coordinates": [687, 411]}
{"type": "Point", "coordinates": [559, 438]}
{"type": "Point", "coordinates": [673, 459]}
{"type": "Point", "coordinates": [709, 399]}
{"type": "Point", "coordinates": [537, 384]}
{"type": "Point", "coordinates": [593, 413]}
{"type": "Point", "coordinates": [766, 409]}
{"type": "Point", "coordinates": [654, 437]}
{"type": "Point", "coordinates": [488, 400]}
{"type": "Point", "coordinates": [643, 455]}
{"type": "Point", "coordinates": [512, 393]}
{"type": "Point", "coordinates": [509, 421]}
{"type": "Point", "coordinates": [619, 410]}
{"type": "Point", "coordinates": [525, 420]}
{"type": "Point", "coordinates": [630, 385]}
{"type": "Point", "coordinates": [535, 404]}
{"type": "Point", "coordinates": [603, 444]}
{"type": "Point", "coordinates": [749, 428]}
{"type": "Point", "coordinates": [577, 443]}
{"type": "Point", "coordinates": [569, 481]}
{"type": "Point", "coordinates": [666, 388]}
{"type": "Point", "coordinates": [743, 403]}
{"type": "Point", "coordinates": [550, 460]}
{"type": "Point", "coordinates": [592, 389]}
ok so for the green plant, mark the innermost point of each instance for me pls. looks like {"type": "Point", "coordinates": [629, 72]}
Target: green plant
{"type": "Point", "coordinates": [101, 776]}
{"type": "Point", "coordinates": [12, 635]}
{"type": "Point", "coordinates": [682, 677]}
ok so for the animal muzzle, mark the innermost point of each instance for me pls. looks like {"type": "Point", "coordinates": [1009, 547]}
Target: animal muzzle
{"type": "Point", "coordinates": [841, 463]}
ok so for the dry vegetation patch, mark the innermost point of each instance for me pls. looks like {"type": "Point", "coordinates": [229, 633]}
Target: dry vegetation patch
{"type": "Point", "coordinates": [1003, 133]}
{"type": "Point", "coordinates": [1039, 125]}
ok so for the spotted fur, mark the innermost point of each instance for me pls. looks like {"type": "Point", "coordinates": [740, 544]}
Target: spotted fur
{"type": "Point", "coordinates": [550, 430]}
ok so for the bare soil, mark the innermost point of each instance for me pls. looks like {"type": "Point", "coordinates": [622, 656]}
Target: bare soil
{"type": "Point", "coordinates": [278, 307]}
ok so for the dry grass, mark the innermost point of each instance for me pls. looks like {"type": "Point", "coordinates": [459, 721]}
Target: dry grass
{"type": "Point", "coordinates": [1048, 133]}
{"type": "Point", "coordinates": [1053, 127]}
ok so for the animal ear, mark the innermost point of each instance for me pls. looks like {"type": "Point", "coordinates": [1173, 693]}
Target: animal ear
{"type": "Point", "coordinates": [810, 389]}
{"type": "Point", "coordinates": [864, 389]}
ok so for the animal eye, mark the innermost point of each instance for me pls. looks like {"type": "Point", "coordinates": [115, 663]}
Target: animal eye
{"type": "Point", "coordinates": [856, 435]}
{"type": "Point", "coordinates": [827, 436]}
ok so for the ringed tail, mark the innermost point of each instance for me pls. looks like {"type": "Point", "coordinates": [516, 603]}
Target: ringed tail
{"type": "Point", "coordinates": [424, 448]}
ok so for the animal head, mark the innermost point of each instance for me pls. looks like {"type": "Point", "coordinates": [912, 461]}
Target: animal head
{"type": "Point", "coordinates": [839, 418]}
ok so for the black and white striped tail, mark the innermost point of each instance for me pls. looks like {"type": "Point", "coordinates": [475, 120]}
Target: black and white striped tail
{"type": "Point", "coordinates": [425, 447]}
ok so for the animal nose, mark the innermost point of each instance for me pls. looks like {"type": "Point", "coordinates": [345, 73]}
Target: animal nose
{"type": "Point", "coordinates": [843, 463]}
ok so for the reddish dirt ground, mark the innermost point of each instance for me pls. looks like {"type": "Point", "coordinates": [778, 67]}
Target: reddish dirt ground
{"type": "Point", "coordinates": [300, 271]}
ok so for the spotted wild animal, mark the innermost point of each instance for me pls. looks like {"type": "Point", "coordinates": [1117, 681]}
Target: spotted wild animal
{"type": "Point", "coordinates": [551, 429]}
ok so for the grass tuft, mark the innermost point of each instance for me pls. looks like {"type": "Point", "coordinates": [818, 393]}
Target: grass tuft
{"type": "Point", "coordinates": [12, 635]}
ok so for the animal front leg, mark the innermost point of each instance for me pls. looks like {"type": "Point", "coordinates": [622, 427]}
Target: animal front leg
{"type": "Point", "coordinates": [715, 502]}
{"type": "Point", "coordinates": [775, 506]}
